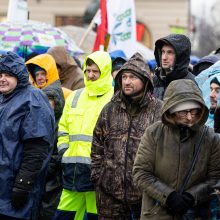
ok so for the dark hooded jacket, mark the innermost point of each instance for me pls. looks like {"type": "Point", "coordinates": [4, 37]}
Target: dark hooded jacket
{"type": "Point", "coordinates": [53, 183]}
{"type": "Point", "coordinates": [117, 135]}
{"type": "Point", "coordinates": [71, 76]}
{"type": "Point", "coordinates": [182, 48]}
{"type": "Point", "coordinates": [26, 139]}
{"type": "Point", "coordinates": [165, 154]}
{"type": "Point", "coordinates": [205, 62]}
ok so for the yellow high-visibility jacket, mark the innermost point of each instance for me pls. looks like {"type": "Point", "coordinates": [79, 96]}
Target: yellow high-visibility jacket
{"type": "Point", "coordinates": [76, 125]}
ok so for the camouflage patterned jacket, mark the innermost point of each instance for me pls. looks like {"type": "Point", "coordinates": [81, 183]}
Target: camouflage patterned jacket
{"type": "Point", "coordinates": [116, 138]}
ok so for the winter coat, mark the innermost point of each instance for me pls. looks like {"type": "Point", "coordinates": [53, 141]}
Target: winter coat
{"type": "Point", "coordinates": [117, 135]}
{"type": "Point", "coordinates": [25, 114]}
{"type": "Point", "coordinates": [182, 48]}
{"type": "Point", "coordinates": [70, 74]}
{"type": "Point", "coordinates": [46, 62]}
{"type": "Point", "coordinates": [165, 154]}
{"type": "Point", "coordinates": [205, 62]}
{"type": "Point", "coordinates": [53, 182]}
{"type": "Point", "coordinates": [78, 120]}
{"type": "Point", "coordinates": [203, 80]}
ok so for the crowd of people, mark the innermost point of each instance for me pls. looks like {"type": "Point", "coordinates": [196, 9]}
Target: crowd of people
{"type": "Point", "coordinates": [110, 139]}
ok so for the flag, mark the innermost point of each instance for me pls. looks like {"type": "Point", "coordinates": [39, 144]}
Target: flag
{"type": "Point", "coordinates": [121, 26]}
{"type": "Point", "coordinates": [102, 28]}
{"type": "Point", "coordinates": [17, 11]}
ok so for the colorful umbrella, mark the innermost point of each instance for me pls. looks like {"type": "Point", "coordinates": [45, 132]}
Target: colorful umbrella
{"type": "Point", "coordinates": [33, 36]}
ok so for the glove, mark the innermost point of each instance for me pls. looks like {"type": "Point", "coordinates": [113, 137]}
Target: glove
{"type": "Point", "coordinates": [19, 198]}
{"type": "Point", "coordinates": [217, 120]}
{"type": "Point", "coordinates": [178, 204]}
{"type": "Point", "coordinates": [188, 198]}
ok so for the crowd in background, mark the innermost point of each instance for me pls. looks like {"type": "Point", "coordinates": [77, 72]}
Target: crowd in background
{"type": "Point", "coordinates": [113, 138]}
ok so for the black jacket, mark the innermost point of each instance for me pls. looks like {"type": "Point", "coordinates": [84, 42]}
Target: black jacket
{"type": "Point", "coordinates": [182, 48]}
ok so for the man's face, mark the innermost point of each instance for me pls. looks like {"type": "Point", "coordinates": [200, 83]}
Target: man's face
{"type": "Point", "coordinates": [215, 88]}
{"type": "Point", "coordinates": [7, 83]}
{"type": "Point", "coordinates": [131, 84]}
{"type": "Point", "coordinates": [167, 57]}
{"type": "Point", "coordinates": [92, 72]}
{"type": "Point", "coordinates": [40, 77]}
{"type": "Point", "coordinates": [187, 117]}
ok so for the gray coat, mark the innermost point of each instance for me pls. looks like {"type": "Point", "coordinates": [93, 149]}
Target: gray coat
{"type": "Point", "coordinates": [163, 158]}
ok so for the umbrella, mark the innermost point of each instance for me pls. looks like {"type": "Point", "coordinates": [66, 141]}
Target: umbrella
{"type": "Point", "coordinates": [34, 36]}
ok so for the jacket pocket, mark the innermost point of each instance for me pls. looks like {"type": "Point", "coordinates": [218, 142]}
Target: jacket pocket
{"type": "Point", "coordinates": [153, 210]}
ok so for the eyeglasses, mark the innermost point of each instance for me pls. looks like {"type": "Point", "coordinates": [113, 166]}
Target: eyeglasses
{"type": "Point", "coordinates": [184, 113]}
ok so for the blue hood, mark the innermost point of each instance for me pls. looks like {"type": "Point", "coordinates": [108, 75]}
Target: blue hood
{"type": "Point", "coordinates": [14, 65]}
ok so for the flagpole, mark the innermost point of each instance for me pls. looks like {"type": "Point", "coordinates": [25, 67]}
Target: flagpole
{"type": "Point", "coordinates": [89, 28]}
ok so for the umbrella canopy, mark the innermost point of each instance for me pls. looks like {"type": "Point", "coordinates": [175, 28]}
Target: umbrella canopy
{"type": "Point", "coordinates": [33, 36]}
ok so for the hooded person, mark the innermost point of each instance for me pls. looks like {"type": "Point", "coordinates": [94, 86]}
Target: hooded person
{"type": "Point", "coordinates": [166, 152]}
{"type": "Point", "coordinates": [209, 83]}
{"type": "Point", "coordinates": [116, 138]}
{"type": "Point", "coordinates": [172, 54]}
{"type": "Point", "coordinates": [204, 63]}
{"type": "Point", "coordinates": [76, 125]}
{"type": "Point", "coordinates": [70, 74]}
{"type": "Point", "coordinates": [53, 183]}
{"type": "Point", "coordinates": [117, 63]}
{"type": "Point", "coordinates": [26, 140]}
{"type": "Point", "coordinates": [43, 72]}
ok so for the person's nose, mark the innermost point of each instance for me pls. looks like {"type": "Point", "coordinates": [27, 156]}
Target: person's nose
{"type": "Point", "coordinates": [127, 81]}
{"type": "Point", "coordinates": [189, 116]}
{"type": "Point", "coordinates": [2, 77]}
{"type": "Point", "coordinates": [212, 94]}
{"type": "Point", "coordinates": [164, 56]}
{"type": "Point", "coordinates": [90, 75]}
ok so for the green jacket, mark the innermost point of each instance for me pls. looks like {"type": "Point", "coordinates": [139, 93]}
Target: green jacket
{"type": "Point", "coordinates": [163, 158]}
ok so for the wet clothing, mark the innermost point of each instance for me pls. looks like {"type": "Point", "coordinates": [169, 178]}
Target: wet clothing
{"type": "Point", "coordinates": [182, 47]}
{"type": "Point", "coordinates": [53, 184]}
{"type": "Point", "coordinates": [165, 154]}
{"type": "Point", "coordinates": [114, 209]}
{"type": "Point", "coordinates": [205, 62]}
{"type": "Point", "coordinates": [76, 125]}
{"type": "Point", "coordinates": [115, 141]}
{"type": "Point", "coordinates": [70, 74]}
{"type": "Point", "coordinates": [204, 80]}
{"type": "Point", "coordinates": [46, 62]}
{"type": "Point", "coordinates": [76, 204]}
{"type": "Point", "coordinates": [26, 140]}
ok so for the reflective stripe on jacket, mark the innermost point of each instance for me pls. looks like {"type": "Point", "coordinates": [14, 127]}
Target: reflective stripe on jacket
{"type": "Point", "coordinates": [75, 135]}
{"type": "Point", "coordinates": [76, 125]}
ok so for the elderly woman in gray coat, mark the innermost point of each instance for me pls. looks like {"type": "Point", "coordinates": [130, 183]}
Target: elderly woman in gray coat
{"type": "Point", "coordinates": [165, 155]}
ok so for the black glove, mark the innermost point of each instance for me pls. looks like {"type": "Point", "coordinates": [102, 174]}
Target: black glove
{"type": "Point", "coordinates": [178, 204]}
{"type": "Point", "coordinates": [217, 120]}
{"type": "Point", "coordinates": [19, 198]}
{"type": "Point", "coordinates": [187, 197]}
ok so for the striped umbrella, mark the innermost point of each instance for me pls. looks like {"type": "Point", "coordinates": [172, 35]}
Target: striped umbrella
{"type": "Point", "coordinates": [34, 36]}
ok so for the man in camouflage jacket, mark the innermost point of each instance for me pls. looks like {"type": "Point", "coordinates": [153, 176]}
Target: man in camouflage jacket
{"type": "Point", "coordinates": [116, 138]}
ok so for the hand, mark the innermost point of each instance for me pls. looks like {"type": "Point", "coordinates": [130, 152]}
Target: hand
{"type": "Point", "coordinates": [178, 204]}
{"type": "Point", "coordinates": [188, 198]}
{"type": "Point", "coordinates": [19, 198]}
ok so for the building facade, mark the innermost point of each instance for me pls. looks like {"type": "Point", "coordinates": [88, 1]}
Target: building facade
{"type": "Point", "coordinates": [157, 16]}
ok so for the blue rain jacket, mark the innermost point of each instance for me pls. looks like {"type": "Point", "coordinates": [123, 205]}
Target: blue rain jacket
{"type": "Point", "coordinates": [25, 113]}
